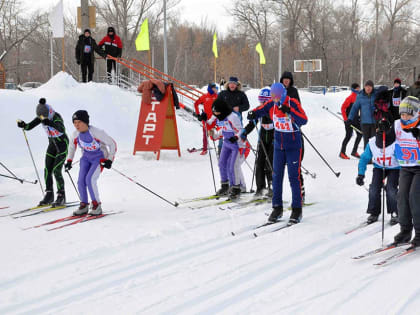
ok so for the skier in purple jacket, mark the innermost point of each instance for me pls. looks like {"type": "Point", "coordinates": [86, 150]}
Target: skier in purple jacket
{"type": "Point", "coordinates": [94, 144]}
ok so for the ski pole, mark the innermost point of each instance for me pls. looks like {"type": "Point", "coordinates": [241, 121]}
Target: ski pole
{"type": "Point", "coordinates": [20, 179]}
{"type": "Point", "coordinates": [383, 189]}
{"type": "Point", "coordinates": [355, 129]}
{"type": "Point", "coordinates": [175, 204]}
{"type": "Point", "coordinates": [322, 158]}
{"type": "Point", "coordinates": [264, 149]}
{"type": "Point", "coordinates": [71, 179]}
{"type": "Point", "coordinates": [313, 175]}
{"type": "Point", "coordinates": [8, 170]}
{"type": "Point", "coordinates": [33, 161]}
{"type": "Point", "coordinates": [211, 161]}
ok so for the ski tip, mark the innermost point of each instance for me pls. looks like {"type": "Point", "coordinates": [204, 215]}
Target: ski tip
{"type": "Point", "coordinates": [176, 204]}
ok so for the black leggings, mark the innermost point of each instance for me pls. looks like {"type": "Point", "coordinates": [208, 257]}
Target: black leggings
{"type": "Point", "coordinates": [262, 168]}
{"type": "Point", "coordinates": [87, 66]}
{"type": "Point", "coordinates": [54, 160]}
{"type": "Point", "coordinates": [349, 134]}
{"type": "Point", "coordinates": [368, 131]}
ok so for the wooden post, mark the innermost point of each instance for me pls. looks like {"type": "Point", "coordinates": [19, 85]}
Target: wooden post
{"type": "Point", "coordinates": [261, 76]}
{"type": "Point", "coordinates": [150, 57]}
{"type": "Point", "coordinates": [84, 6]}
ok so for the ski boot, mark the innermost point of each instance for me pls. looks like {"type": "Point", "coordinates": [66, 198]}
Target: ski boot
{"type": "Point", "coordinates": [394, 219]}
{"type": "Point", "coordinates": [276, 214]}
{"type": "Point", "coordinates": [372, 218]}
{"type": "Point", "coordinates": [224, 190]}
{"type": "Point", "coordinates": [48, 198]}
{"type": "Point", "coordinates": [344, 156]}
{"type": "Point", "coordinates": [96, 208]}
{"type": "Point", "coordinates": [259, 192]}
{"type": "Point", "coordinates": [403, 237]}
{"type": "Point", "coordinates": [61, 199]}
{"type": "Point", "coordinates": [416, 240]}
{"type": "Point", "coordinates": [235, 192]}
{"type": "Point", "coordinates": [296, 216]}
{"type": "Point", "coordinates": [83, 209]}
{"type": "Point", "coordinates": [356, 155]}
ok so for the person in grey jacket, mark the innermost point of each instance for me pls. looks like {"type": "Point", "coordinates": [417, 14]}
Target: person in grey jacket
{"type": "Point", "coordinates": [365, 103]}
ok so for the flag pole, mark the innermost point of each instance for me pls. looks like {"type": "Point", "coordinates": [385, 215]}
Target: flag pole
{"type": "Point", "coordinates": [215, 59]}
{"type": "Point", "coordinates": [261, 75]}
{"type": "Point", "coordinates": [51, 53]}
{"type": "Point", "coordinates": [62, 50]}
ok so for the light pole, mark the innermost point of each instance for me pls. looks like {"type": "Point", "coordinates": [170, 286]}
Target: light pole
{"type": "Point", "coordinates": [280, 43]}
{"type": "Point", "coordinates": [165, 44]}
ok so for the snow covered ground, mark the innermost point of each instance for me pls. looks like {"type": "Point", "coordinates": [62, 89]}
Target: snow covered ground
{"type": "Point", "coordinates": [157, 259]}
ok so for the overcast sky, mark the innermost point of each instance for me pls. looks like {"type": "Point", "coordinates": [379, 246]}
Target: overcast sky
{"type": "Point", "coordinates": [193, 11]}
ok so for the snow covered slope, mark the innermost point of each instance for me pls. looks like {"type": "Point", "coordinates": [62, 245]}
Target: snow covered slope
{"type": "Point", "coordinates": [157, 259]}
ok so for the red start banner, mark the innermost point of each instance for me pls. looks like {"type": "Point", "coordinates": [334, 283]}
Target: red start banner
{"type": "Point", "coordinates": [157, 129]}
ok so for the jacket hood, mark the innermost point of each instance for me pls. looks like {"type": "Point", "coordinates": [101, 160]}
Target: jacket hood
{"type": "Point", "coordinates": [287, 75]}
{"type": "Point", "coordinates": [238, 86]}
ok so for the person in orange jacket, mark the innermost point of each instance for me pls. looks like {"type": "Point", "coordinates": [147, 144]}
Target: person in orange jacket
{"type": "Point", "coordinates": [345, 110]}
{"type": "Point", "coordinates": [207, 101]}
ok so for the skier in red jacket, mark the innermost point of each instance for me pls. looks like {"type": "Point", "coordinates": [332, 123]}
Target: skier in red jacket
{"type": "Point", "coordinates": [207, 101]}
{"type": "Point", "coordinates": [345, 110]}
{"type": "Point", "coordinates": [113, 47]}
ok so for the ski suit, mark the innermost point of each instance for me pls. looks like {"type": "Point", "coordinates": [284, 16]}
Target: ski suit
{"type": "Point", "coordinates": [207, 101]}
{"type": "Point", "coordinates": [229, 164]}
{"type": "Point", "coordinates": [345, 111]}
{"type": "Point", "coordinates": [287, 147]}
{"type": "Point", "coordinates": [375, 153]}
{"type": "Point", "coordinates": [94, 144]}
{"type": "Point", "coordinates": [407, 151]}
{"type": "Point", "coordinates": [58, 143]}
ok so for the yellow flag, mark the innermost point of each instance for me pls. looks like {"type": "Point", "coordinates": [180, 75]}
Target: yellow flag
{"type": "Point", "coordinates": [259, 50]}
{"type": "Point", "coordinates": [142, 41]}
{"type": "Point", "coordinates": [215, 45]}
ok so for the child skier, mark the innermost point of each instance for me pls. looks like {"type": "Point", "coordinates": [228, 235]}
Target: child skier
{"type": "Point", "coordinates": [229, 164]}
{"type": "Point", "coordinates": [374, 151]}
{"type": "Point", "coordinates": [407, 149]}
{"type": "Point", "coordinates": [94, 144]}
{"type": "Point", "coordinates": [265, 145]}
{"type": "Point", "coordinates": [287, 116]}
{"type": "Point", "coordinates": [56, 152]}
{"type": "Point", "coordinates": [207, 101]}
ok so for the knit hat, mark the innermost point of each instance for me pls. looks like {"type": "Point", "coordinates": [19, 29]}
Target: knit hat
{"type": "Point", "coordinates": [221, 107]}
{"type": "Point", "coordinates": [210, 88]}
{"type": "Point", "coordinates": [233, 80]}
{"type": "Point", "coordinates": [87, 30]}
{"type": "Point", "coordinates": [264, 95]}
{"type": "Point", "coordinates": [81, 115]}
{"type": "Point", "coordinates": [410, 105]}
{"type": "Point", "coordinates": [278, 90]}
{"type": "Point", "coordinates": [111, 29]}
{"type": "Point", "coordinates": [355, 86]}
{"type": "Point", "coordinates": [42, 110]}
{"type": "Point", "coordinates": [369, 83]}
{"type": "Point", "coordinates": [397, 80]}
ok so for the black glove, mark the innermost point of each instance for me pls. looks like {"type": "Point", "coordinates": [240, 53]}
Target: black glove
{"type": "Point", "coordinates": [195, 115]}
{"type": "Point", "coordinates": [384, 125]}
{"type": "Point", "coordinates": [251, 115]}
{"type": "Point", "coordinates": [46, 121]}
{"type": "Point", "coordinates": [78, 62]}
{"type": "Point", "coordinates": [202, 116]}
{"type": "Point", "coordinates": [360, 180]}
{"type": "Point", "coordinates": [67, 166]}
{"type": "Point", "coordinates": [415, 132]}
{"type": "Point", "coordinates": [233, 139]}
{"type": "Point", "coordinates": [107, 164]}
{"type": "Point", "coordinates": [348, 123]}
{"type": "Point", "coordinates": [21, 124]}
{"type": "Point", "coordinates": [285, 109]}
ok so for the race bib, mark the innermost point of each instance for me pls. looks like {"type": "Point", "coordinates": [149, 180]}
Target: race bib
{"type": "Point", "coordinates": [396, 101]}
{"type": "Point", "coordinates": [407, 155]}
{"type": "Point", "coordinates": [90, 146]}
{"type": "Point", "coordinates": [283, 124]}
{"type": "Point", "coordinates": [87, 49]}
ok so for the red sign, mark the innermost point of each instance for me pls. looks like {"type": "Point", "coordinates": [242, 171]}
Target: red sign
{"type": "Point", "coordinates": [157, 128]}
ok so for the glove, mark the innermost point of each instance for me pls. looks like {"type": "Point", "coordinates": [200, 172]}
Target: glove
{"type": "Point", "coordinates": [285, 109]}
{"type": "Point", "coordinates": [21, 124]}
{"type": "Point", "coordinates": [233, 139]}
{"type": "Point", "coordinates": [243, 134]}
{"type": "Point", "coordinates": [202, 116]}
{"type": "Point", "coordinates": [45, 121]}
{"type": "Point", "coordinates": [251, 115]}
{"type": "Point", "coordinates": [195, 114]}
{"type": "Point", "coordinates": [384, 125]}
{"type": "Point", "coordinates": [106, 163]}
{"type": "Point", "coordinates": [67, 166]}
{"type": "Point", "coordinates": [415, 132]}
{"type": "Point", "coordinates": [348, 123]}
{"type": "Point", "coordinates": [78, 62]}
{"type": "Point", "coordinates": [360, 180]}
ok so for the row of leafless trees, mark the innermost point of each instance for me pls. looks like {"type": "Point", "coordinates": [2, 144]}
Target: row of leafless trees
{"type": "Point", "coordinates": [333, 31]}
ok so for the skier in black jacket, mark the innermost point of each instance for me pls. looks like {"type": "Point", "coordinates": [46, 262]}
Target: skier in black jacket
{"type": "Point", "coordinates": [234, 96]}
{"type": "Point", "coordinates": [55, 157]}
{"type": "Point", "coordinates": [84, 54]}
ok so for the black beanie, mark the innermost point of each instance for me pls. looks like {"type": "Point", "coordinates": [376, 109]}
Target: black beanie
{"type": "Point", "coordinates": [81, 115]}
{"type": "Point", "coordinates": [42, 109]}
{"type": "Point", "coordinates": [87, 30]}
{"type": "Point", "coordinates": [111, 29]}
{"type": "Point", "coordinates": [219, 105]}
{"type": "Point", "coordinates": [355, 86]}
